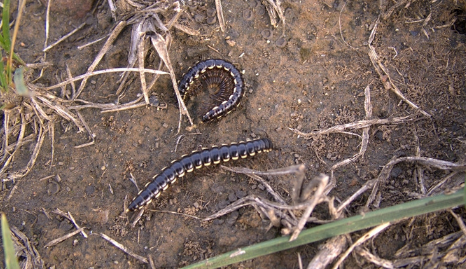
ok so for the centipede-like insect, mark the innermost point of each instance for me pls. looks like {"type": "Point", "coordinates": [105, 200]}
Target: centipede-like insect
{"type": "Point", "coordinates": [220, 76]}
{"type": "Point", "coordinates": [197, 160]}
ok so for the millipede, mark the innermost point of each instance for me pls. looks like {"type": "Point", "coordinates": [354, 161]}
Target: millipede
{"type": "Point", "coordinates": [219, 75]}
{"type": "Point", "coordinates": [197, 160]}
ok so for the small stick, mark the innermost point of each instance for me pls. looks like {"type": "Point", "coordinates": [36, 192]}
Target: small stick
{"type": "Point", "coordinates": [328, 252]}
{"type": "Point", "coordinates": [116, 31]}
{"type": "Point", "coordinates": [353, 125]}
{"type": "Point", "coordinates": [321, 183]}
{"type": "Point", "coordinates": [361, 240]}
{"type": "Point", "coordinates": [92, 42]}
{"type": "Point", "coordinates": [70, 218]}
{"type": "Point", "coordinates": [221, 20]}
{"type": "Point", "coordinates": [375, 259]}
{"type": "Point", "coordinates": [124, 249]}
{"type": "Point", "coordinates": [160, 46]}
{"type": "Point", "coordinates": [64, 37]}
{"type": "Point", "coordinates": [459, 220]}
{"type": "Point", "coordinates": [63, 238]}
{"type": "Point", "coordinates": [111, 70]}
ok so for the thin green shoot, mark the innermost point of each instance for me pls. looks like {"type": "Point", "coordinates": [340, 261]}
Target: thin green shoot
{"type": "Point", "coordinates": [11, 262]}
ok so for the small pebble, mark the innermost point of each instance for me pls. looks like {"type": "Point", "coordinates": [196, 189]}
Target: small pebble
{"type": "Point", "coordinates": [231, 43]}
{"type": "Point", "coordinates": [267, 33]}
{"type": "Point", "coordinates": [218, 221]}
{"type": "Point", "coordinates": [261, 187]}
{"type": "Point", "coordinates": [165, 125]}
{"type": "Point", "coordinates": [211, 20]}
{"type": "Point", "coordinates": [260, 10]}
{"type": "Point", "coordinates": [232, 197]}
{"type": "Point", "coordinates": [248, 15]}
{"type": "Point", "coordinates": [281, 42]}
{"type": "Point", "coordinates": [240, 194]}
{"type": "Point", "coordinates": [211, 12]}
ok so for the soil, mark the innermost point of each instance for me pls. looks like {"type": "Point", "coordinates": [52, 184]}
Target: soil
{"type": "Point", "coordinates": [308, 74]}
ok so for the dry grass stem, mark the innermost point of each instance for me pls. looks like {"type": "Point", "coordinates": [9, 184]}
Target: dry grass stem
{"type": "Point", "coordinates": [429, 162]}
{"type": "Point", "coordinates": [29, 257]}
{"type": "Point", "coordinates": [459, 220]}
{"type": "Point", "coordinates": [92, 42]}
{"type": "Point", "coordinates": [90, 74]}
{"type": "Point", "coordinates": [221, 20]}
{"type": "Point", "coordinates": [321, 183]}
{"type": "Point", "coordinates": [23, 172]}
{"type": "Point", "coordinates": [373, 232]}
{"type": "Point", "coordinates": [70, 218]}
{"type": "Point", "coordinates": [160, 45]}
{"type": "Point", "coordinates": [116, 31]}
{"type": "Point", "coordinates": [63, 238]}
{"type": "Point", "coordinates": [353, 126]}
{"type": "Point", "coordinates": [273, 8]}
{"type": "Point", "coordinates": [374, 259]}
{"type": "Point", "coordinates": [186, 29]}
{"type": "Point", "coordinates": [328, 252]}
{"type": "Point", "coordinates": [64, 37]}
{"type": "Point", "coordinates": [383, 73]}
{"type": "Point", "coordinates": [124, 249]}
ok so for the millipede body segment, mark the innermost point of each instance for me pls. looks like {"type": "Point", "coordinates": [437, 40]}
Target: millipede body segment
{"type": "Point", "coordinates": [197, 160]}
{"type": "Point", "coordinates": [219, 75]}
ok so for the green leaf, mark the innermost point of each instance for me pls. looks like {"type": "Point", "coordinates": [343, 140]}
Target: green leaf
{"type": "Point", "coordinates": [11, 262]}
{"type": "Point", "coordinates": [338, 227]}
{"type": "Point", "coordinates": [6, 26]}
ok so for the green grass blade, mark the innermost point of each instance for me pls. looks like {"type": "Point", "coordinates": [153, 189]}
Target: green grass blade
{"type": "Point", "coordinates": [11, 262]}
{"type": "Point", "coordinates": [6, 26]}
{"type": "Point", "coordinates": [3, 80]}
{"type": "Point", "coordinates": [343, 226]}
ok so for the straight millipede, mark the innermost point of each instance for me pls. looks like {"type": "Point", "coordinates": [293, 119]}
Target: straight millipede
{"type": "Point", "coordinates": [197, 160]}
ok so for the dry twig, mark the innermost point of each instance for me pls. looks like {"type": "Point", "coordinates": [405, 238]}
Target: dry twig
{"type": "Point", "coordinates": [124, 249]}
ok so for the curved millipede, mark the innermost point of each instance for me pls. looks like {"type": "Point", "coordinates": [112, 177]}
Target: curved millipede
{"type": "Point", "coordinates": [197, 160]}
{"type": "Point", "coordinates": [218, 74]}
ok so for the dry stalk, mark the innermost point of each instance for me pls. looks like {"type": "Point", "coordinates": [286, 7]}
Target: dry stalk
{"type": "Point", "coordinates": [116, 31]}
{"type": "Point", "coordinates": [63, 238]}
{"type": "Point", "coordinates": [160, 45]}
{"type": "Point", "coordinates": [70, 218]}
{"type": "Point", "coordinates": [375, 259]}
{"type": "Point", "coordinates": [124, 249]}
{"type": "Point", "coordinates": [221, 20]}
{"type": "Point", "coordinates": [373, 232]}
{"type": "Point", "coordinates": [353, 126]}
{"type": "Point", "coordinates": [384, 75]}
{"type": "Point", "coordinates": [26, 252]}
{"type": "Point", "coordinates": [328, 252]}
{"type": "Point", "coordinates": [429, 162]}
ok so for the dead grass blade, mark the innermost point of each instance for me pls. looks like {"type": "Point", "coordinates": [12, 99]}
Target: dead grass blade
{"type": "Point", "coordinates": [373, 232]}
{"type": "Point", "coordinates": [160, 45]}
{"type": "Point", "coordinates": [116, 31]}
{"type": "Point", "coordinates": [63, 238]}
{"type": "Point", "coordinates": [221, 20]}
{"type": "Point", "coordinates": [384, 75]}
{"type": "Point", "coordinates": [30, 257]}
{"type": "Point", "coordinates": [429, 162]}
{"type": "Point", "coordinates": [353, 126]}
{"type": "Point", "coordinates": [124, 249]}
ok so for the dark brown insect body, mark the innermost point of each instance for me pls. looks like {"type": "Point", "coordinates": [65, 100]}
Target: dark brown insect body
{"type": "Point", "coordinates": [219, 75]}
{"type": "Point", "coordinates": [197, 160]}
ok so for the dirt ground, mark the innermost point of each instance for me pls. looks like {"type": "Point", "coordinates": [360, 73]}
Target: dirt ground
{"type": "Point", "coordinates": [309, 74]}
